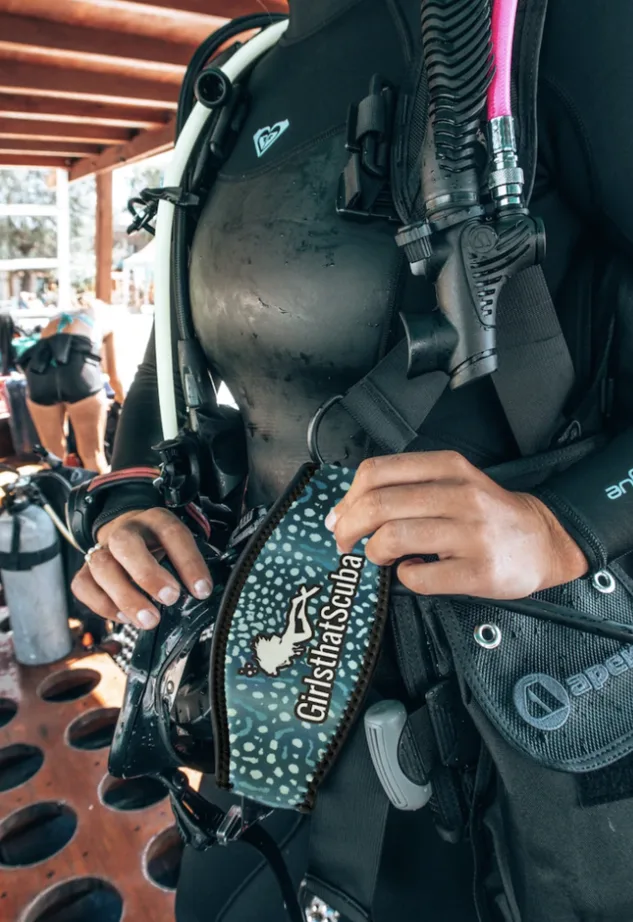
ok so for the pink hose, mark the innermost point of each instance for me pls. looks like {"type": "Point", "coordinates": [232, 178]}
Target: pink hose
{"type": "Point", "coordinates": [503, 20]}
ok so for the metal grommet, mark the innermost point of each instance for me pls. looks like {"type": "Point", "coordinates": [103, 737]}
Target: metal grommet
{"type": "Point", "coordinates": [313, 429]}
{"type": "Point", "coordinates": [603, 581]}
{"type": "Point", "coordinates": [488, 636]}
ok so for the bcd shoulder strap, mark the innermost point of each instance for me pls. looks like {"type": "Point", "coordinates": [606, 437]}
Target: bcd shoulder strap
{"type": "Point", "coordinates": [533, 384]}
{"type": "Point", "coordinates": [536, 373]}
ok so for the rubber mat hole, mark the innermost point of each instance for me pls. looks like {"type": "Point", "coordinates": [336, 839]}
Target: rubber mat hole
{"type": "Point", "coordinates": [84, 899]}
{"type": "Point", "coordinates": [163, 857]}
{"type": "Point", "coordinates": [8, 710]}
{"type": "Point", "coordinates": [35, 833]}
{"type": "Point", "coordinates": [18, 763]}
{"type": "Point", "coordinates": [132, 793]}
{"type": "Point", "coordinates": [93, 730]}
{"type": "Point", "coordinates": [69, 685]}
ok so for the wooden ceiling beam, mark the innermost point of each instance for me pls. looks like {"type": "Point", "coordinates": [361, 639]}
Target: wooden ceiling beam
{"type": "Point", "coordinates": [75, 131]}
{"type": "Point", "coordinates": [229, 9]}
{"type": "Point", "coordinates": [33, 79]}
{"type": "Point", "coordinates": [48, 148]}
{"type": "Point", "coordinates": [146, 144]}
{"type": "Point", "coordinates": [19, 106]}
{"type": "Point", "coordinates": [33, 160]}
{"type": "Point", "coordinates": [62, 40]}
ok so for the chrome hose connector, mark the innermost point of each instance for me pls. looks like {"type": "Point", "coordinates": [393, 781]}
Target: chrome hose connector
{"type": "Point", "coordinates": [506, 178]}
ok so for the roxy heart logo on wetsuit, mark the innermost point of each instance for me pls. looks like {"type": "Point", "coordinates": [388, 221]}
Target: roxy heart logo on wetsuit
{"type": "Point", "coordinates": [275, 651]}
{"type": "Point", "coordinates": [266, 137]}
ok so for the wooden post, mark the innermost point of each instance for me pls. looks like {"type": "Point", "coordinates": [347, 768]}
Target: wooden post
{"type": "Point", "coordinates": [63, 240]}
{"type": "Point", "coordinates": [103, 242]}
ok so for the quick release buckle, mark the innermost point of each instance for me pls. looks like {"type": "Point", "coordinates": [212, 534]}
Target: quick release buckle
{"type": "Point", "coordinates": [364, 192]}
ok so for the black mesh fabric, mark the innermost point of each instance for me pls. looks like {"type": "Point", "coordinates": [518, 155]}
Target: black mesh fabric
{"type": "Point", "coordinates": [560, 696]}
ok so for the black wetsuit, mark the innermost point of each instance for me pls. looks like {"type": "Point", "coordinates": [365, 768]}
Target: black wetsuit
{"type": "Point", "coordinates": [63, 368]}
{"type": "Point", "coordinates": [293, 305]}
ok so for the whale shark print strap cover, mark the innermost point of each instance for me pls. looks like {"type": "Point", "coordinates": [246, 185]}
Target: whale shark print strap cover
{"type": "Point", "coordinates": [295, 646]}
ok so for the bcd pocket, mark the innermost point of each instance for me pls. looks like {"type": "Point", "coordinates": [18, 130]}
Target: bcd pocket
{"type": "Point", "coordinates": [553, 815]}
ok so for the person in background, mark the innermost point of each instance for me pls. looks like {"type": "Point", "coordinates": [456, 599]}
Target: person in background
{"type": "Point", "coordinates": [65, 380]}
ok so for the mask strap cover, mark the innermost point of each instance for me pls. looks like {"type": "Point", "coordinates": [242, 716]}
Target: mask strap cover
{"type": "Point", "coordinates": [295, 646]}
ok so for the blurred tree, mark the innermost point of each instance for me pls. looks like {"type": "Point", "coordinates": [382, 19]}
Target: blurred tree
{"type": "Point", "coordinates": [32, 237]}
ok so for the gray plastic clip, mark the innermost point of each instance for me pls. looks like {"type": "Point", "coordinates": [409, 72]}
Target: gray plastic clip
{"type": "Point", "coordinates": [384, 723]}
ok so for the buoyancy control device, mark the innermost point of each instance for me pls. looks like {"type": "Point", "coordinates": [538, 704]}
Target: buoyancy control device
{"type": "Point", "coordinates": [502, 700]}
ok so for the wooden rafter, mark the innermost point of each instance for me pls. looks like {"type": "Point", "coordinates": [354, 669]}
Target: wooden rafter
{"type": "Point", "coordinates": [93, 84]}
{"type": "Point", "coordinates": [77, 83]}
{"type": "Point", "coordinates": [15, 105]}
{"type": "Point", "coordinates": [229, 9]}
{"type": "Point", "coordinates": [48, 148]}
{"type": "Point", "coordinates": [144, 145]}
{"type": "Point", "coordinates": [72, 43]}
{"type": "Point", "coordinates": [34, 160]}
{"type": "Point", "coordinates": [39, 129]}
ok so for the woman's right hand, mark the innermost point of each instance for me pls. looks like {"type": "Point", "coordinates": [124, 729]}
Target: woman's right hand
{"type": "Point", "coordinates": [130, 547]}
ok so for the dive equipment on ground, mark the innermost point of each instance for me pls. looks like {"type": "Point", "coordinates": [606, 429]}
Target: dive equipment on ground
{"type": "Point", "coordinates": [32, 574]}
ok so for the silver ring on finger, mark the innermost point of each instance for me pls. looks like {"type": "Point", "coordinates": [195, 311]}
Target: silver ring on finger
{"type": "Point", "coordinates": [93, 550]}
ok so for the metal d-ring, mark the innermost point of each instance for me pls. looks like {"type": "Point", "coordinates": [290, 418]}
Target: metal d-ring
{"type": "Point", "coordinates": [314, 426]}
{"type": "Point", "coordinates": [488, 636]}
{"type": "Point", "coordinates": [604, 582]}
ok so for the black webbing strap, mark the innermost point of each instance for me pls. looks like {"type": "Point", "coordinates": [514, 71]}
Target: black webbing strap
{"type": "Point", "coordinates": [16, 561]}
{"type": "Point", "coordinates": [259, 838]}
{"type": "Point", "coordinates": [536, 374]}
{"type": "Point", "coordinates": [347, 831]}
{"type": "Point", "coordinates": [389, 407]}
{"type": "Point", "coordinates": [533, 382]}
{"type": "Point", "coordinates": [526, 53]}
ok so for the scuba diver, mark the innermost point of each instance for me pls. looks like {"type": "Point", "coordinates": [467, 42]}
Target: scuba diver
{"type": "Point", "coordinates": [496, 497]}
{"type": "Point", "coordinates": [64, 374]}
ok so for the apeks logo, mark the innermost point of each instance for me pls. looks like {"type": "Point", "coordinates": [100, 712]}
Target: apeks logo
{"type": "Point", "coordinates": [616, 490]}
{"type": "Point", "coordinates": [274, 652]}
{"type": "Point", "coordinates": [266, 137]}
{"type": "Point", "coordinates": [545, 702]}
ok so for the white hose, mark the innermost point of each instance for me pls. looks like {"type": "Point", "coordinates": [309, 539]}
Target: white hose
{"type": "Point", "coordinates": [242, 59]}
{"type": "Point", "coordinates": [57, 522]}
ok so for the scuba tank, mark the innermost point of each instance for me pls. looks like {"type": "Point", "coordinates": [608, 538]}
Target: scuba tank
{"type": "Point", "coordinates": [32, 574]}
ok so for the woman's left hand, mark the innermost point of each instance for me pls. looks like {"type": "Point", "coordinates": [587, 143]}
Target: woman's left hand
{"type": "Point", "coordinates": [490, 542]}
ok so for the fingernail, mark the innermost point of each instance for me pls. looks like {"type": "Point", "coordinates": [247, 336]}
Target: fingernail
{"type": "Point", "coordinates": [148, 619]}
{"type": "Point", "coordinates": [202, 589]}
{"type": "Point", "coordinates": [123, 618]}
{"type": "Point", "coordinates": [330, 520]}
{"type": "Point", "coordinates": [168, 595]}
{"type": "Point", "coordinates": [339, 549]}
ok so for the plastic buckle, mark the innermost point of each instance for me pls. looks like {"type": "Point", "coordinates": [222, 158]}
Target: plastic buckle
{"type": "Point", "coordinates": [150, 199]}
{"type": "Point", "coordinates": [363, 192]}
{"type": "Point", "coordinates": [231, 117]}
{"type": "Point", "coordinates": [238, 819]}
{"type": "Point", "coordinates": [179, 480]}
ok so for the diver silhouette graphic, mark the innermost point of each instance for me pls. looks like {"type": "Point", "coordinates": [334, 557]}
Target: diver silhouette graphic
{"type": "Point", "coordinates": [277, 651]}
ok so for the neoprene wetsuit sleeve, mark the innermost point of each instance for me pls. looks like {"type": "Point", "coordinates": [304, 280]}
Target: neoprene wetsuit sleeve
{"type": "Point", "coordinates": [586, 128]}
{"type": "Point", "coordinates": [139, 429]}
{"type": "Point", "coordinates": [593, 500]}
